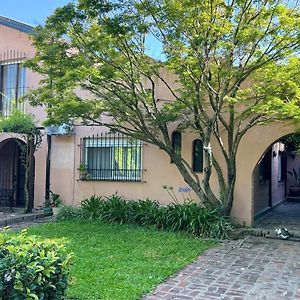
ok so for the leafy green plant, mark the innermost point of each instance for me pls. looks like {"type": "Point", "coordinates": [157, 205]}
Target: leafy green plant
{"type": "Point", "coordinates": [32, 269]}
{"type": "Point", "coordinates": [17, 122]}
{"type": "Point", "coordinates": [67, 212]}
{"type": "Point", "coordinates": [116, 209]}
{"type": "Point", "coordinates": [56, 200]}
{"type": "Point", "coordinates": [189, 216]}
{"type": "Point", "coordinates": [92, 207]}
{"type": "Point", "coordinates": [292, 142]}
{"type": "Point", "coordinates": [84, 174]}
{"type": "Point", "coordinates": [296, 176]}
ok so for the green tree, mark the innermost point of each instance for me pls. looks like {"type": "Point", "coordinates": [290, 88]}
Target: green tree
{"type": "Point", "coordinates": [235, 64]}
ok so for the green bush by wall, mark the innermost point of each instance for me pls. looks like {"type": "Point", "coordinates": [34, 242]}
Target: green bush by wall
{"type": "Point", "coordinates": [189, 216]}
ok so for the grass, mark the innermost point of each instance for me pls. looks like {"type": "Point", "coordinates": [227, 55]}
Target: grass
{"type": "Point", "coordinates": [120, 261]}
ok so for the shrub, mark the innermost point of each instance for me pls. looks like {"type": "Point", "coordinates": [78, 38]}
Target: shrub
{"type": "Point", "coordinates": [92, 207]}
{"type": "Point", "coordinates": [32, 269]}
{"type": "Point", "coordinates": [67, 212]}
{"type": "Point", "coordinates": [189, 216]}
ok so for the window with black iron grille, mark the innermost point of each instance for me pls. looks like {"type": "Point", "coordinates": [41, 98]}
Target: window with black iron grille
{"type": "Point", "coordinates": [12, 81]}
{"type": "Point", "coordinates": [112, 158]}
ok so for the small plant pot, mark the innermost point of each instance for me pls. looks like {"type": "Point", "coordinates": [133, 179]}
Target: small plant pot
{"type": "Point", "coordinates": [83, 175]}
{"type": "Point", "coordinates": [47, 211]}
{"type": "Point", "coordinates": [294, 190]}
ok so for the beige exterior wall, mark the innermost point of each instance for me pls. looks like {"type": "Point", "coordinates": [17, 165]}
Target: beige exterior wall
{"type": "Point", "coordinates": [15, 41]}
{"type": "Point", "coordinates": [157, 171]}
{"type": "Point", "coordinates": [251, 150]}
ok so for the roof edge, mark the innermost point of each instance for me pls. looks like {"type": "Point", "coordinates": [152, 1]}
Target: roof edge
{"type": "Point", "coordinates": [14, 24]}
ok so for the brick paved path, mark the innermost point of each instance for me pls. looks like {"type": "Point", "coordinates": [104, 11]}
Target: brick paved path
{"type": "Point", "coordinates": [256, 268]}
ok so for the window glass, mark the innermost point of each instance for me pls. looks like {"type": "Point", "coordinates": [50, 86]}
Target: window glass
{"type": "Point", "coordinates": [12, 85]}
{"type": "Point", "coordinates": [176, 143]}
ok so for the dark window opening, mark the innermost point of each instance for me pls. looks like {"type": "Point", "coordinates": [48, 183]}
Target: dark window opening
{"type": "Point", "coordinates": [176, 143]}
{"type": "Point", "coordinates": [197, 156]}
{"type": "Point", "coordinates": [283, 165]}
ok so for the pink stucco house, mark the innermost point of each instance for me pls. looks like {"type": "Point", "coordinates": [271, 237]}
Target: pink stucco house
{"type": "Point", "coordinates": [114, 165]}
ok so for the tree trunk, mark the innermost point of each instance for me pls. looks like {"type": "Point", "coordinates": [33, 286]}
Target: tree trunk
{"type": "Point", "coordinates": [29, 175]}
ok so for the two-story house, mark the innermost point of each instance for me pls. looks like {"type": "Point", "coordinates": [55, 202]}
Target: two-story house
{"type": "Point", "coordinates": [113, 164]}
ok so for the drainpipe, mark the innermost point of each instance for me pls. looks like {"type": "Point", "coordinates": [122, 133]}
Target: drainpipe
{"type": "Point", "coordinates": [48, 170]}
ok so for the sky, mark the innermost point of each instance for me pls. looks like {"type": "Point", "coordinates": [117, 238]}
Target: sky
{"type": "Point", "coordinates": [32, 12]}
{"type": "Point", "coordinates": [35, 12]}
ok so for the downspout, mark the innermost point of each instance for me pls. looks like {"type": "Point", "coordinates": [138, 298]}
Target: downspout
{"type": "Point", "coordinates": [48, 170]}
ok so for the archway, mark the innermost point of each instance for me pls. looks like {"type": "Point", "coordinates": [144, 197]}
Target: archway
{"type": "Point", "coordinates": [12, 173]}
{"type": "Point", "coordinates": [272, 180]}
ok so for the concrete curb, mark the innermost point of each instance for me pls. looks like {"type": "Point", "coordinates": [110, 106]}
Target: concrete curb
{"type": "Point", "coordinates": [21, 218]}
{"type": "Point", "coordinates": [259, 232]}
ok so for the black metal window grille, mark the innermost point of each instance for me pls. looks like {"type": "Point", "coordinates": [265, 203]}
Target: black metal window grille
{"type": "Point", "coordinates": [12, 81]}
{"type": "Point", "coordinates": [197, 156]}
{"type": "Point", "coordinates": [112, 158]}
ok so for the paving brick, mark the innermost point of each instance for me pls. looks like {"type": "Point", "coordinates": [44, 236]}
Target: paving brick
{"type": "Point", "coordinates": [269, 269]}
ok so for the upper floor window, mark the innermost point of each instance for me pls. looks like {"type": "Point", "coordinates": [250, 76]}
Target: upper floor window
{"type": "Point", "coordinates": [176, 142]}
{"type": "Point", "coordinates": [197, 156]}
{"type": "Point", "coordinates": [112, 158]}
{"type": "Point", "coordinates": [12, 85]}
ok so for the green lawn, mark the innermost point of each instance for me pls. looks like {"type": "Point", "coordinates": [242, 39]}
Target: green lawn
{"type": "Point", "coordinates": [120, 261]}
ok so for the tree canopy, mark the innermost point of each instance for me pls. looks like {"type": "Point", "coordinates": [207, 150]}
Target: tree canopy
{"type": "Point", "coordinates": [235, 62]}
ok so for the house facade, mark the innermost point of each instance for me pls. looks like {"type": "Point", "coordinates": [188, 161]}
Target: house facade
{"type": "Point", "coordinates": [81, 161]}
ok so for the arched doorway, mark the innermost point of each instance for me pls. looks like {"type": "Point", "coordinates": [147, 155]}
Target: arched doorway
{"type": "Point", "coordinates": [12, 173]}
{"type": "Point", "coordinates": [272, 179]}
{"type": "Point", "coordinates": [269, 179]}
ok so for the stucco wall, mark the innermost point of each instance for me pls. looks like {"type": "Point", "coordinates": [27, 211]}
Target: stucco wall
{"type": "Point", "coordinates": [157, 171]}
{"type": "Point", "coordinates": [16, 41]}
{"type": "Point", "coordinates": [251, 150]}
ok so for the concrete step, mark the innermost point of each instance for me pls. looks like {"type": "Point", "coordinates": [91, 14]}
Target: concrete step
{"type": "Point", "coordinates": [14, 217]}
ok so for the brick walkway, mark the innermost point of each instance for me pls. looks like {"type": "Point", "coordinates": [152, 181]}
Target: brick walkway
{"type": "Point", "coordinates": [254, 268]}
